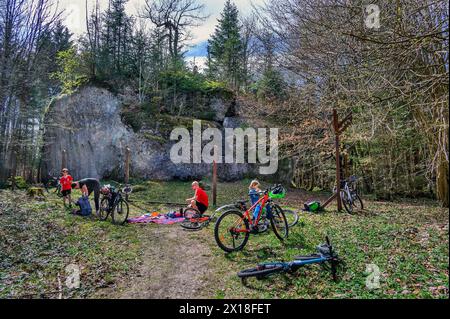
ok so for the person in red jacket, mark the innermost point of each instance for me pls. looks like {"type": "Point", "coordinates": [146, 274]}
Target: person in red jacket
{"type": "Point", "coordinates": [200, 199]}
{"type": "Point", "coordinates": [66, 186]}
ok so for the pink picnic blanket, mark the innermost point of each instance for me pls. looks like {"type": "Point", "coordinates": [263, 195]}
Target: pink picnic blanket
{"type": "Point", "coordinates": [163, 219]}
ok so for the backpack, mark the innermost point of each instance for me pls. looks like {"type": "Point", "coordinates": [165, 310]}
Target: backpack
{"type": "Point", "coordinates": [85, 206]}
{"type": "Point", "coordinates": [312, 206]}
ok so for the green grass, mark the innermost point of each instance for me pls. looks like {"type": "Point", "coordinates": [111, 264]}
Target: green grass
{"type": "Point", "coordinates": [407, 241]}
{"type": "Point", "coordinates": [38, 240]}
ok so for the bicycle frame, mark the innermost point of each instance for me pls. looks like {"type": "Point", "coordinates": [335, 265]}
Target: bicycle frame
{"type": "Point", "coordinates": [326, 254]}
{"type": "Point", "coordinates": [262, 201]}
{"type": "Point", "coordinates": [298, 263]}
{"type": "Point", "coordinates": [317, 260]}
{"type": "Point", "coordinates": [347, 190]}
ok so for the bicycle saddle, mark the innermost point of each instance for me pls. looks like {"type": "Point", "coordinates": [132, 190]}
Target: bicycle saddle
{"type": "Point", "coordinates": [241, 202]}
{"type": "Point", "coordinates": [324, 249]}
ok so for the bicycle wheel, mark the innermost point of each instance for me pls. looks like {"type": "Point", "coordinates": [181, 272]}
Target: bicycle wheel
{"type": "Point", "coordinates": [357, 202]}
{"type": "Point", "coordinates": [347, 202]}
{"type": "Point", "coordinates": [191, 212]}
{"type": "Point", "coordinates": [191, 223]}
{"type": "Point", "coordinates": [104, 209]}
{"type": "Point", "coordinates": [279, 223]}
{"type": "Point", "coordinates": [291, 217]}
{"type": "Point", "coordinates": [231, 231]}
{"type": "Point", "coordinates": [262, 270]}
{"type": "Point", "coordinates": [120, 212]}
{"type": "Point", "coordinates": [193, 220]}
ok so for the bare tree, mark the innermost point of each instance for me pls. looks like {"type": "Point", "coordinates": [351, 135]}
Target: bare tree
{"type": "Point", "coordinates": [394, 78]}
{"type": "Point", "coordinates": [175, 17]}
{"type": "Point", "coordinates": [23, 23]}
{"type": "Point", "coordinates": [248, 34]}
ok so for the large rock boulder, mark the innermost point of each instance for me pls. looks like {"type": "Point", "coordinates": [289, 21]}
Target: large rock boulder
{"type": "Point", "coordinates": [89, 126]}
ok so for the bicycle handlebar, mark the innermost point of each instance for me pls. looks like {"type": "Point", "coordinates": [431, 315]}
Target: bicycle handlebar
{"type": "Point", "coordinates": [271, 188]}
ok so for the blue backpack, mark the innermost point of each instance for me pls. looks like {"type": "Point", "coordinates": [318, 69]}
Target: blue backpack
{"type": "Point", "coordinates": [85, 206]}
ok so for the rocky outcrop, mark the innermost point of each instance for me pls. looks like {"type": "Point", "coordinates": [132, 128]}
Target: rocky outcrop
{"type": "Point", "coordinates": [89, 126]}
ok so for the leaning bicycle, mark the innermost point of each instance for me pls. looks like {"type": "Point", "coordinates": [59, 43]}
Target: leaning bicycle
{"type": "Point", "coordinates": [113, 203]}
{"type": "Point", "coordinates": [349, 195]}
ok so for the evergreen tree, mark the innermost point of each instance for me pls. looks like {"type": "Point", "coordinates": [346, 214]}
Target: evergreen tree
{"type": "Point", "coordinates": [225, 48]}
{"type": "Point", "coordinates": [116, 35]}
{"type": "Point", "coordinates": [271, 86]}
{"type": "Point", "coordinates": [61, 37]}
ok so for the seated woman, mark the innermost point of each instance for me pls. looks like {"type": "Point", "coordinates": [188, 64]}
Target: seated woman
{"type": "Point", "coordinates": [200, 199]}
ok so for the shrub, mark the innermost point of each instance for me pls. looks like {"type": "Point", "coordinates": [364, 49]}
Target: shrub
{"type": "Point", "coordinates": [133, 119]}
{"type": "Point", "coordinates": [139, 188]}
{"type": "Point", "coordinates": [19, 182]}
{"type": "Point", "coordinates": [70, 70]}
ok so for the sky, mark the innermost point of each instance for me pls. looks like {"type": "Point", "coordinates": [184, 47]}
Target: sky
{"type": "Point", "coordinates": [76, 21]}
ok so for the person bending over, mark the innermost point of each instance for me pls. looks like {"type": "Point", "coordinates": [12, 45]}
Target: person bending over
{"type": "Point", "coordinates": [87, 186]}
{"type": "Point", "coordinates": [200, 199]}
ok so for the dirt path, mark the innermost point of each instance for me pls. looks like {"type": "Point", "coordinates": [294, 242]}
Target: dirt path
{"type": "Point", "coordinates": [175, 263]}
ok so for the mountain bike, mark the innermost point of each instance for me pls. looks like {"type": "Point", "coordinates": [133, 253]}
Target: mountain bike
{"type": "Point", "coordinates": [325, 256]}
{"type": "Point", "coordinates": [349, 195]}
{"type": "Point", "coordinates": [113, 203]}
{"type": "Point", "coordinates": [233, 228]}
{"type": "Point", "coordinates": [52, 181]}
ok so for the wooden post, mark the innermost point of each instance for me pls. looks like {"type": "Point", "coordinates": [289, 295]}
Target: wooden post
{"type": "Point", "coordinates": [214, 177]}
{"type": "Point", "coordinates": [127, 165]}
{"type": "Point", "coordinates": [64, 159]}
{"type": "Point", "coordinates": [339, 127]}
{"type": "Point", "coordinates": [338, 160]}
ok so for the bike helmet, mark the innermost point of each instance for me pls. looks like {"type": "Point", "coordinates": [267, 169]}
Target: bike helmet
{"type": "Point", "coordinates": [277, 192]}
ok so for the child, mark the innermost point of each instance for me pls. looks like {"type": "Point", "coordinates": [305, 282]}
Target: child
{"type": "Point", "coordinates": [66, 186]}
{"type": "Point", "coordinates": [254, 196]}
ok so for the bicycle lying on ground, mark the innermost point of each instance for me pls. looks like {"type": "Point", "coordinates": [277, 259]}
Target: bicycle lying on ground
{"type": "Point", "coordinates": [326, 257]}
{"type": "Point", "coordinates": [194, 220]}
{"type": "Point", "coordinates": [233, 227]}
{"type": "Point", "coordinates": [349, 195]}
{"type": "Point", "coordinates": [113, 203]}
